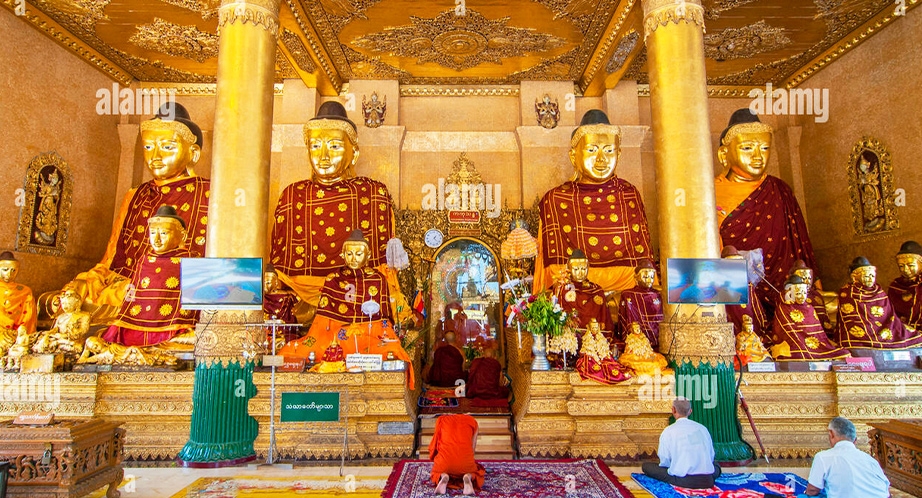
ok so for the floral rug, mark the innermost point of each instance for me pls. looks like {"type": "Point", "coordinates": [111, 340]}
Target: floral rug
{"type": "Point", "coordinates": [265, 487]}
{"type": "Point", "coordinates": [516, 479]}
{"type": "Point", "coordinates": [742, 485]}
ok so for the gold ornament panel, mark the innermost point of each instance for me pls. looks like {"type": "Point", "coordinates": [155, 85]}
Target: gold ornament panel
{"type": "Point", "coordinates": [44, 219]}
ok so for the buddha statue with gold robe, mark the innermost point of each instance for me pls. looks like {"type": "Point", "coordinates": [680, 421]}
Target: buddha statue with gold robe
{"type": "Point", "coordinates": [866, 317]}
{"type": "Point", "coordinates": [595, 211]}
{"type": "Point", "coordinates": [595, 358]}
{"type": "Point", "coordinates": [755, 209]}
{"type": "Point", "coordinates": [753, 309]}
{"type": "Point", "coordinates": [748, 344]}
{"type": "Point", "coordinates": [99, 352]}
{"type": "Point", "coordinates": [639, 355]}
{"type": "Point", "coordinates": [905, 291]}
{"type": "Point", "coordinates": [797, 333]}
{"type": "Point", "coordinates": [70, 327]}
{"type": "Point", "coordinates": [172, 144]}
{"type": "Point", "coordinates": [642, 304]}
{"type": "Point", "coordinates": [151, 313]}
{"type": "Point", "coordinates": [18, 306]}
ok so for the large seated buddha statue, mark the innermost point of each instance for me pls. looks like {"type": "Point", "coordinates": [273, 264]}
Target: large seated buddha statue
{"type": "Point", "coordinates": [866, 317]}
{"type": "Point", "coordinates": [151, 313]}
{"type": "Point", "coordinates": [18, 306]}
{"type": "Point", "coordinates": [314, 217]}
{"type": "Point", "coordinates": [355, 307]}
{"type": "Point", "coordinates": [172, 144]}
{"type": "Point", "coordinates": [642, 304]}
{"type": "Point", "coordinates": [797, 331]}
{"type": "Point", "coordinates": [595, 211]}
{"type": "Point", "coordinates": [755, 209]}
{"type": "Point", "coordinates": [753, 309]}
{"type": "Point", "coordinates": [906, 290]}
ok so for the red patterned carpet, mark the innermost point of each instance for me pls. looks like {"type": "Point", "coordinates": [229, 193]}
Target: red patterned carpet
{"type": "Point", "coordinates": [516, 479]}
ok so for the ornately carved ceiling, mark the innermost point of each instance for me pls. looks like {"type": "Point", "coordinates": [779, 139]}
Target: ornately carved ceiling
{"type": "Point", "coordinates": [593, 43]}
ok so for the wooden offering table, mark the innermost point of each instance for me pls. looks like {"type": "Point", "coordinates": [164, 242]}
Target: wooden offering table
{"type": "Point", "coordinates": [897, 445]}
{"type": "Point", "coordinates": [83, 455]}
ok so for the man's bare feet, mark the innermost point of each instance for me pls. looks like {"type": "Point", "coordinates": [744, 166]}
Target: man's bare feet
{"type": "Point", "coordinates": [468, 485]}
{"type": "Point", "coordinates": [442, 487]}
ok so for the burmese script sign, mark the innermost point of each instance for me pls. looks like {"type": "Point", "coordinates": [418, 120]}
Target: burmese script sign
{"type": "Point", "coordinates": [464, 216]}
{"type": "Point", "coordinates": [310, 407]}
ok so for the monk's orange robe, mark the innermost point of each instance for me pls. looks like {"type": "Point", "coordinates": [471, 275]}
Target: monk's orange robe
{"type": "Point", "coordinates": [452, 451]}
{"type": "Point", "coordinates": [18, 307]}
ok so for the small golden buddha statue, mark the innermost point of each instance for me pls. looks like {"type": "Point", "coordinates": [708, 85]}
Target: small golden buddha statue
{"type": "Point", "coordinates": [905, 291]}
{"type": "Point", "coordinates": [17, 350]}
{"type": "Point", "coordinates": [70, 327]}
{"type": "Point", "coordinates": [100, 352]}
{"type": "Point", "coordinates": [639, 355]}
{"type": "Point", "coordinates": [334, 359]}
{"type": "Point", "coordinates": [748, 344]}
{"type": "Point", "coordinates": [595, 361]}
{"type": "Point", "coordinates": [17, 307]}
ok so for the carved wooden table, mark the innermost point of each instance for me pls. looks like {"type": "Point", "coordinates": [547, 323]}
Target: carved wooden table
{"type": "Point", "coordinates": [84, 456]}
{"type": "Point", "coordinates": [897, 445]}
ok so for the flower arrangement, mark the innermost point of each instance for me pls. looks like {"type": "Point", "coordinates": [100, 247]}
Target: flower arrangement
{"type": "Point", "coordinates": [541, 314]}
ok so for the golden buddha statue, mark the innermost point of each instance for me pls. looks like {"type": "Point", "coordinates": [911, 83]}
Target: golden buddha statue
{"type": "Point", "coordinates": [639, 354]}
{"type": "Point", "coordinates": [333, 360]}
{"type": "Point", "coordinates": [100, 352]}
{"type": "Point", "coordinates": [595, 361]}
{"type": "Point", "coordinates": [797, 332]}
{"type": "Point", "coordinates": [70, 327]}
{"type": "Point", "coordinates": [756, 210]}
{"type": "Point", "coordinates": [17, 313]}
{"type": "Point", "coordinates": [816, 297]}
{"type": "Point", "coordinates": [642, 303]}
{"type": "Point", "coordinates": [595, 211]}
{"type": "Point", "coordinates": [19, 348]}
{"type": "Point", "coordinates": [905, 291]}
{"type": "Point", "coordinates": [748, 344]}
{"type": "Point", "coordinates": [172, 144]}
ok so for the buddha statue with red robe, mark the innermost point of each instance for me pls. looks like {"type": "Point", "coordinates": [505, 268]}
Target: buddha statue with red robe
{"type": "Point", "coordinates": [172, 144]}
{"type": "Point", "coordinates": [906, 290]}
{"type": "Point", "coordinates": [596, 211]}
{"type": "Point", "coordinates": [797, 331]}
{"type": "Point", "coordinates": [866, 317]}
{"type": "Point", "coordinates": [150, 313]}
{"type": "Point", "coordinates": [755, 209]}
{"type": "Point", "coordinates": [575, 293]}
{"type": "Point", "coordinates": [642, 304]}
{"type": "Point", "coordinates": [17, 306]}
{"type": "Point", "coordinates": [279, 304]}
{"type": "Point", "coordinates": [815, 296]}
{"type": "Point", "coordinates": [753, 309]}
{"type": "Point", "coordinates": [595, 358]}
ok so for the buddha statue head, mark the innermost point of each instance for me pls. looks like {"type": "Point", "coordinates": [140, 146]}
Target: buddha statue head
{"type": "Point", "coordinates": [748, 326]}
{"type": "Point", "coordinates": [863, 272]}
{"type": "Point", "coordinates": [803, 271]}
{"type": "Point", "coordinates": [172, 143]}
{"type": "Point", "coordinates": [578, 266]}
{"type": "Point", "coordinates": [595, 147]}
{"type": "Point", "coordinates": [795, 290]}
{"type": "Point", "coordinates": [166, 229]}
{"type": "Point", "coordinates": [635, 329]}
{"type": "Point", "coordinates": [744, 147]}
{"type": "Point", "coordinates": [9, 267]}
{"type": "Point", "coordinates": [332, 143]}
{"type": "Point", "coordinates": [645, 273]}
{"type": "Point", "coordinates": [270, 279]}
{"type": "Point", "coordinates": [355, 250]}
{"type": "Point", "coordinates": [70, 300]}
{"type": "Point", "coordinates": [909, 260]}
{"type": "Point", "coordinates": [594, 326]}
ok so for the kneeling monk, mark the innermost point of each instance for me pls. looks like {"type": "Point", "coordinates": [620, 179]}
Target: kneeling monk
{"type": "Point", "coordinates": [452, 453]}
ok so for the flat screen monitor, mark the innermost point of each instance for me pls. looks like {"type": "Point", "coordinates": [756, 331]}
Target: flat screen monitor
{"type": "Point", "coordinates": [707, 281]}
{"type": "Point", "coordinates": [221, 283]}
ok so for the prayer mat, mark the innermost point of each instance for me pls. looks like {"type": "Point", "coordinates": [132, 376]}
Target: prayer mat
{"type": "Point", "coordinates": [265, 487]}
{"type": "Point", "coordinates": [515, 479]}
{"type": "Point", "coordinates": [440, 392]}
{"type": "Point", "coordinates": [437, 402]}
{"type": "Point", "coordinates": [730, 485]}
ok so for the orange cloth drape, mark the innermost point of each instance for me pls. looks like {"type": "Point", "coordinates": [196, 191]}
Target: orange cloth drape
{"type": "Point", "coordinates": [18, 307]}
{"type": "Point", "coordinates": [452, 450]}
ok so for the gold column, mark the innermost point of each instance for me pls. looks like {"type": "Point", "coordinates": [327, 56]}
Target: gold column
{"type": "Point", "coordinates": [697, 339]}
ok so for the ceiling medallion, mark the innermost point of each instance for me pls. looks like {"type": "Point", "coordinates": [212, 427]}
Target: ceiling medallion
{"type": "Point", "coordinates": [458, 42]}
{"type": "Point", "coordinates": [745, 42]}
{"type": "Point", "coordinates": [179, 41]}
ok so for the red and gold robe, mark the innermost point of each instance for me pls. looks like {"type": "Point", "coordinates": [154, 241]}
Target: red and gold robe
{"type": "Point", "coordinates": [607, 371]}
{"type": "Point", "coordinates": [281, 305]}
{"type": "Point", "coordinates": [755, 311]}
{"type": "Point", "coordinates": [906, 298]}
{"type": "Point", "coordinates": [606, 221]}
{"type": "Point", "coordinates": [766, 215]}
{"type": "Point", "coordinates": [150, 314]}
{"type": "Point", "coordinates": [588, 300]}
{"type": "Point", "coordinates": [798, 326]}
{"type": "Point", "coordinates": [867, 320]}
{"type": "Point", "coordinates": [485, 380]}
{"type": "Point", "coordinates": [447, 366]}
{"type": "Point", "coordinates": [641, 305]}
{"type": "Point", "coordinates": [313, 220]}
{"type": "Point", "coordinates": [129, 241]}
{"type": "Point", "coordinates": [18, 307]}
{"type": "Point", "coordinates": [452, 451]}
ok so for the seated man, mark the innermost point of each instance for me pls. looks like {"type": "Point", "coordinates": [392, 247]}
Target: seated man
{"type": "Point", "coordinates": [686, 452]}
{"type": "Point", "coordinates": [485, 377]}
{"type": "Point", "coordinates": [452, 453]}
{"type": "Point", "coordinates": [796, 329]}
{"type": "Point", "coordinates": [642, 304]}
{"type": "Point", "coordinates": [17, 306]}
{"type": "Point", "coordinates": [844, 470]}
{"type": "Point", "coordinates": [447, 363]}
{"type": "Point", "coordinates": [906, 291]}
{"type": "Point", "coordinates": [866, 318]}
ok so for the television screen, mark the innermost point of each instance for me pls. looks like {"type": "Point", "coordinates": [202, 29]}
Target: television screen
{"type": "Point", "coordinates": [707, 281]}
{"type": "Point", "coordinates": [221, 283]}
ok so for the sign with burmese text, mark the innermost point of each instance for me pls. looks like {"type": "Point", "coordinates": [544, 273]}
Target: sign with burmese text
{"type": "Point", "coordinates": [310, 407]}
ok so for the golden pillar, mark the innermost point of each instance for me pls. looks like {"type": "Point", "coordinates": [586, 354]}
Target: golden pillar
{"type": "Point", "coordinates": [222, 432]}
{"type": "Point", "coordinates": [697, 339]}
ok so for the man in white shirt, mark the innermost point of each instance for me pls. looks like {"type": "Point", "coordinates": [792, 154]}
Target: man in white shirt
{"type": "Point", "coordinates": [844, 471]}
{"type": "Point", "coordinates": [686, 452]}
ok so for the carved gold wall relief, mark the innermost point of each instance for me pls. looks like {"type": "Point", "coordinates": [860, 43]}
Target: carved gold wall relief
{"type": "Point", "coordinates": [173, 39]}
{"type": "Point", "coordinates": [297, 50]}
{"type": "Point", "coordinates": [625, 46]}
{"type": "Point", "coordinates": [745, 42]}
{"type": "Point", "coordinates": [870, 188]}
{"type": "Point", "coordinates": [44, 218]}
